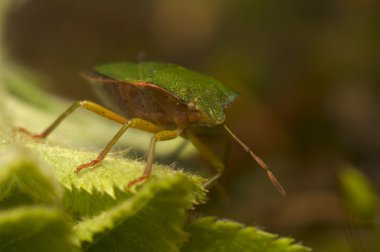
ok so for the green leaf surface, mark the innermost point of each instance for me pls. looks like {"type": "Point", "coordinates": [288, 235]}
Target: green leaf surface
{"type": "Point", "coordinates": [148, 218]}
{"type": "Point", "coordinates": [24, 175]}
{"type": "Point", "coordinates": [209, 235]}
{"type": "Point", "coordinates": [103, 186]}
{"type": "Point", "coordinates": [35, 229]}
{"type": "Point", "coordinates": [150, 221]}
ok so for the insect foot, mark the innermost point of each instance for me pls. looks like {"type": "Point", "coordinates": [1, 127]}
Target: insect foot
{"type": "Point", "coordinates": [27, 132]}
{"type": "Point", "coordinates": [137, 181]}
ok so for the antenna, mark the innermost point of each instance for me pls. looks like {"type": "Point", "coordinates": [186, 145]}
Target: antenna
{"type": "Point", "coordinates": [263, 165]}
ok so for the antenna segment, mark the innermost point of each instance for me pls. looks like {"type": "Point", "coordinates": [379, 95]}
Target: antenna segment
{"type": "Point", "coordinates": [263, 165]}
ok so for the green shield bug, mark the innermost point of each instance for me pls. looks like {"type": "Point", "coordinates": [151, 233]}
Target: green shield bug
{"type": "Point", "coordinates": [161, 98]}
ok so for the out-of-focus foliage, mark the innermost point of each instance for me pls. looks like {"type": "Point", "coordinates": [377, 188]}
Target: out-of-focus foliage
{"type": "Point", "coordinates": [358, 194]}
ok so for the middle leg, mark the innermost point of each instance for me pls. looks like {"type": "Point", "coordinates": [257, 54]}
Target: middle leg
{"type": "Point", "coordinates": [160, 136]}
{"type": "Point", "coordinates": [133, 123]}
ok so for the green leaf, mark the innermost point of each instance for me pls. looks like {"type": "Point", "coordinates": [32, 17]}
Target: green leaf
{"type": "Point", "coordinates": [24, 175]}
{"type": "Point", "coordinates": [111, 217]}
{"type": "Point", "coordinates": [359, 195]}
{"type": "Point", "coordinates": [208, 235]}
{"type": "Point", "coordinates": [152, 220]}
{"type": "Point", "coordinates": [35, 229]}
{"type": "Point", "coordinates": [99, 188]}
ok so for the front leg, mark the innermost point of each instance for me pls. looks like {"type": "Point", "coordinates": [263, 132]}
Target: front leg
{"type": "Point", "coordinates": [133, 123]}
{"type": "Point", "coordinates": [88, 105]}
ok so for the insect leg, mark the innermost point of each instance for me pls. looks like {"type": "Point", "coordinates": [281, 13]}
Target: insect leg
{"type": "Point", "coordinates": [133, 123]}
{"type": "Point", "coordinates": [88, 105]}
{"type": "Point", "coordinates": [105, 151]}
{"type": "Point", "coordinates": [160, 136]}
{"type": "Point", "coordinates": [207, 154]}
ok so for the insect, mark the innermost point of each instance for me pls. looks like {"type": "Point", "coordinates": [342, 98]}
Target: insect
{"type": "Point", "coordinates": [161, 98]}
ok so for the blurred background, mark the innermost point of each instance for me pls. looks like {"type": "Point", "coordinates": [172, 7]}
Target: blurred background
{"type": "Point", "coordinates": [308, 75]}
